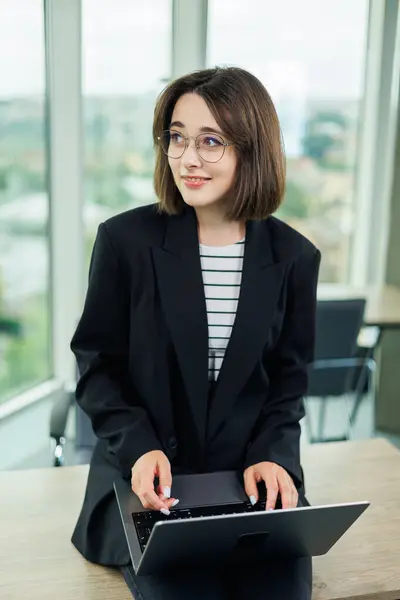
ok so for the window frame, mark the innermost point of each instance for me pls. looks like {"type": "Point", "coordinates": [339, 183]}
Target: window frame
{"type": "Point", "coordinates": [65, 147]}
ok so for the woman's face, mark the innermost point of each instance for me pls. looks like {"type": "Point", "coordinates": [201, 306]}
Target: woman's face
{"type": "Point", "coordinates": [201, 183]}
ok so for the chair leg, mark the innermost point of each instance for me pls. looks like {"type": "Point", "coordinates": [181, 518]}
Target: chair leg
{"type": "Point", "coordinates": [321, 418]}
{"type": "Point", "coordinates": [308, 423]}
{"type": "Point", "coordinates": [352, 414]}
{"type": "Point", "coordinates": [356, 407]}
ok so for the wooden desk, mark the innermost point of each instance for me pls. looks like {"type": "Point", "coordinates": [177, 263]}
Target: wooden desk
{"type": "Point", "coordinates": [383, 303]}
{"type": "Point", "coordinates": [365, 562]}
{"type": "Point", "coordinates": [38, 509]}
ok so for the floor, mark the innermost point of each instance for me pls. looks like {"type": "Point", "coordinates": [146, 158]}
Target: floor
{"type": "Point", "coordinates": [336, 423]}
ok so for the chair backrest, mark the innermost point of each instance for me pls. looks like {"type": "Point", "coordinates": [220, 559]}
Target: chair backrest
{"type": "Point", "coordinates": [338, 323]}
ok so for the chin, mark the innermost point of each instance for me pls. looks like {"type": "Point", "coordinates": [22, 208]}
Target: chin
{"type": "Point", "coordinates": [197, 201]}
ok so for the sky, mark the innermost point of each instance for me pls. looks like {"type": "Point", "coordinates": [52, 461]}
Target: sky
{"type": "Point", "coordinates": [315, 47]}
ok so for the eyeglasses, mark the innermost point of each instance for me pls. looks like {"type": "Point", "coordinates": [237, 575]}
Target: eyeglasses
{"type": "Point", "coordinates": [209, 146]}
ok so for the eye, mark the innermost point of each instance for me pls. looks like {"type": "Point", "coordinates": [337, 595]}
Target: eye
{"type": "Point", "coordinates": [211, 141]}
{"type": "Point", "coordinates": [175, 137]}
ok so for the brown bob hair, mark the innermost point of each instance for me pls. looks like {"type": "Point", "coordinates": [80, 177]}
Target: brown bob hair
{"type": "Point", "coordinates": [246, 114]}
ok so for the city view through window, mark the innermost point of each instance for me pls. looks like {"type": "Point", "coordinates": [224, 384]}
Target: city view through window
{"type": "Point", "coordinates": [311, 56]}
{"type": "Point", "coordinates": [24, 241]}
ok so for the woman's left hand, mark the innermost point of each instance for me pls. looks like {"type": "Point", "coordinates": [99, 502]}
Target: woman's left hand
{"type": "Point", "coordinates": [276, 479]}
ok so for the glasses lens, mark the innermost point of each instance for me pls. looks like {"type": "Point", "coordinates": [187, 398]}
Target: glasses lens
{"type": "Point", "coordinates": [210, 147]}
{"type": "Point", "coordinates": [172, 143]}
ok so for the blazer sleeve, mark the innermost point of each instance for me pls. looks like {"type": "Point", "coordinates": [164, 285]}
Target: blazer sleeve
{"type": "Point", "coordinates": [100, 344]}
{"type": "Point", "coordinates": [277, 435]}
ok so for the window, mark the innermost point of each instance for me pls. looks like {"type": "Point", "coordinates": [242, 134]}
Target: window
{"type": "Point", "coordinates": [24, 245]}
{"type": "Point", "coordinates": [126, 63]}
{"type": "Point", "coordinates": [311, 57]}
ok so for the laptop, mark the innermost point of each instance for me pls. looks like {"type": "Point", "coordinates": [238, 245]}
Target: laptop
{"type": "Point", "coordinates": [215, 523]}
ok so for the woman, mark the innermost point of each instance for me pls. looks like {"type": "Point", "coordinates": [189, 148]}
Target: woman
{"type": "Point", "coordinates": [197, 330]}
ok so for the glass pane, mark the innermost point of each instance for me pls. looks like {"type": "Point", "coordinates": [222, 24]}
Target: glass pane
{"type": "Point", "coordinates": [126, 63]}
{"type": "Point", "coordinates": [311, 57]}
{"type": "Point", "coordinates": [24, 249]}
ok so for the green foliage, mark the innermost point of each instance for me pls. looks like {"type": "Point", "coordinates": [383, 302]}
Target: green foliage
{"type": "Point", "coordinates": [26, 357]}
{"type": "Point", "coordinates": [324, 132]}
{"type": "Point", "coordinates": [3, 180]}
{"type": "Point", "coordinates": [332, 117]}
{"type": "Point", "coordinates": [104, 185]}
{"type": "Point", "coordinates": [317, 145]}
{"type": "Point", "coordinates": [296, 204]}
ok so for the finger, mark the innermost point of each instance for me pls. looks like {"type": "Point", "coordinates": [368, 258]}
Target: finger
{"type": "Point", "coordinates": [272, 490]}
{"type": "Point", "coordinates": [169, 502]}
{"type": "Point", "coordinates": [295, 494]}
{"type": "Point", "coordinates": [135, 483]}
{"type": "Point", "coordinates": [164, 478]}
{"type": "Point", "coordinates": [151, 500]}
{"type": "Point", "coordinates": [250, 485]}
{"type": "Point", "coordinates": [286, 490]}
{"type": "Point", "coordinates": [148, 494]}
{"type": "Point", "coordinates": [172, 502]}
{"type": "Point", "coordinates": [160, 493]}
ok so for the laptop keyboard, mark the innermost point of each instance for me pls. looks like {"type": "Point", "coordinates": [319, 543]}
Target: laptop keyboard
{"type": "Point", "coordinates": [145, 521]}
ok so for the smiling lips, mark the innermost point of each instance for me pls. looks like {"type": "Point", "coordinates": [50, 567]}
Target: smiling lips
{"type": "Point", "coordinates": [195, 182]}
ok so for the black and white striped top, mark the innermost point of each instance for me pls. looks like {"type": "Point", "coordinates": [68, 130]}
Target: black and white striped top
{"type": "Point", "coordinates": [222, 274]}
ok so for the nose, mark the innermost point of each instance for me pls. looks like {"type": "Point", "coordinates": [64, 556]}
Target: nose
{"type": "Point", "coordinates": [190, 157]}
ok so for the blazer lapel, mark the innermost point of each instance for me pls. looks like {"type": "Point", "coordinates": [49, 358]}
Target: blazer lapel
{"type": "Point", "coordinates": [260, 288]}
{"type": "Point", "coordinates": [181, 288]}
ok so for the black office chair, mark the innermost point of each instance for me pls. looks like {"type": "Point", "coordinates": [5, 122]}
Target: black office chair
{"type": "Point", "coordinates": [339, 369]}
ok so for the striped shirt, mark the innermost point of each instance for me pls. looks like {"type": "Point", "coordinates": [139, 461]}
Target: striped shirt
{"type": "Point", "coordinates": [222, 274]}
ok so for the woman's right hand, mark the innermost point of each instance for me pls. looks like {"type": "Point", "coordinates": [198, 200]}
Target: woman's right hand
{"type": "Point", "coordinates": [146, 468]}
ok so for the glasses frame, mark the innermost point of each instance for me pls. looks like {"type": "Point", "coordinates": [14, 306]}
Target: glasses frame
{"type": "Point", "coordinates": [187, 141]}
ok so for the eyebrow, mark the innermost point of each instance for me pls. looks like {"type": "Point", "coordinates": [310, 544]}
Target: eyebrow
{"type": "Point", "coordinates": [202, 129]}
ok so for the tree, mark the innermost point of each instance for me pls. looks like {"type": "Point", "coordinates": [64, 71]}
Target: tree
{"type": "Point", "coordinates": [26, 355]}
{"type": "Point", "coordinates": [324, 131]}
{"type": "Point", "coordinates": [296, 204]}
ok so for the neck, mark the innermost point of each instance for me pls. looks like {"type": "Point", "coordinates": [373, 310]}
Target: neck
{"type": "Point", "coordinates": [215, 230]}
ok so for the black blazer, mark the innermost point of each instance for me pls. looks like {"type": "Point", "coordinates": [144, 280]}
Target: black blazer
{"type": "Point", "coordinates": [142, 351]}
